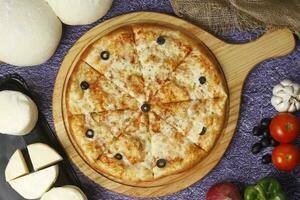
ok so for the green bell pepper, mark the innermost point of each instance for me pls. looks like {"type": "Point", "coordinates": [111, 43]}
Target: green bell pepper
{"type": "Point", "coordinates": [265, 189]}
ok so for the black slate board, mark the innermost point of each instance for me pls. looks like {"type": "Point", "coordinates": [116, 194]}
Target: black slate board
{"type": "Point", "coordinates": [41, 133]}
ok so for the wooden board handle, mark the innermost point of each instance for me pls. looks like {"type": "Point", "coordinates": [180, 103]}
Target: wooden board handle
{"type": "Point", "coordinates": [239, 59]}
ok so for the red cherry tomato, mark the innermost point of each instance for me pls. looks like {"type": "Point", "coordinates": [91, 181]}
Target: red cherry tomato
{"type": "Point", "coordinates": [284, 127]}
{"type": "Point", "coordinates": [285, 157]}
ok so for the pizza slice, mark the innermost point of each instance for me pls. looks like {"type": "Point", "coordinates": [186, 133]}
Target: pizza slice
{"type": "Point", "coordinates": [115, 57]}
{"type": "Point", "coordinates": [116, 142]}
{"type": "Point", "coordinates": [128, 156]}
{"type": "Point", "coordinates": [89, 91]}
{"type": "Point", "coordinates": [91, 138]}
{"type": "Point", "coordinates": [171, 151]}
{"type": "Point", "coordinates": [160, 51]}
{"type": "Point", "coordinates": [199, 121]}
{"type": "Point", "coordinates": [197, 77]}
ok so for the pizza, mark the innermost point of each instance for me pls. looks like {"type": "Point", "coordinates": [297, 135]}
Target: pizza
{"type": "Point", "coordinates": [145, 101]}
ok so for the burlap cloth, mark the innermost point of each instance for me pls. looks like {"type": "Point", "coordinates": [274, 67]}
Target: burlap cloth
{"type": "Point", "coordinates": [220, 16]}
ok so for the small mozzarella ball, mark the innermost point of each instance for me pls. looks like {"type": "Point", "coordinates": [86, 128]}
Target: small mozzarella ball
{"type": "Point", "coordinates": [19, 113]}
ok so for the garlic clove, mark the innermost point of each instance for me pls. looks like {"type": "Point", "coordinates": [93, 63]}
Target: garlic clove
{"type": "Point", "coordinates": [282, 107]}
{"type": "Point", "coordinates": [286, 96]}
{"type": "Point", "coordinates": [286, 82]}
{"type": "Point", "coordinates": [292, 108]}
{"type": "Point", "coordinates": [296, 89]}
{"type": "Point", "coordinates": [289, 90]}
{"type": "Point", "coordinates": [276, 100]}
{"type": "Point", "coordinates": [283, 94]}
{"type": "Point", "coordinates": [277, 88]}
{"type": "Point", "coordinates": [297, 105]}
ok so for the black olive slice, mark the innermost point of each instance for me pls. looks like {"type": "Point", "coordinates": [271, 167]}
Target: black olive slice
{"type": "Point", "coordinates": [104, 55]}
{"type": "Point", "coordinates": [202, 80]}
{"type": "Point", "coordinates": [84, 85]}
{"type": "Point", "coordinates": [118, 156]}
{"type": "Point", "coordinates": [145, 107]}
{"type": "Point", "coordinates": [257, 130]}
{"type": "Point", "coordinates": [265, 122]}
{"type": "Point", "coordinates": [266, 159]}
{"type": "Point", "coordinates": [161, 163]}
{"type": "Point", "coordinates": [160, 40]}
{"type": "Point", "coordinates": [90, 133]}
{"type": "Point", "coordinates": [256, 148]}
{"type": "Point", "coordinates": [265, 141]}
{"type": "Point", "coordinates": [203, 131]}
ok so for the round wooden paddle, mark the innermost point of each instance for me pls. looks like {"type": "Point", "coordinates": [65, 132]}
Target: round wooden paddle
{"type": "Point", "coordinates": [236, 61]}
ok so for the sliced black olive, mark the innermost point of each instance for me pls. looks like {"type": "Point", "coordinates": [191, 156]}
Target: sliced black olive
{"type": "Point", "coordinates": [118, 156]}
{"type": "Point", "coordinates": [266, 159]}
{"type": "Point", "coordinates": [265, 142]}
{"type": "Point", "coordinates": [273, 142]}
{"type": "Point", "coordinates": [90, 133]}
{"type": "Point", "coordinates": [104, 55]}
{"type": "Point", "coordinates": [256, 148]}
{"type": "Point", "coordinates": [84, 85]}
{"type": "Point", "coordinates": [161, 163]}
{"type": "Point", "coordinates": [257, 131]}
{"type": "Point", "coordinates": [145, 107]}
{"type": "Point", "coordinates": [203, 131]}
{"type": "Point", "coordinates": [265, 122]}
{"type": "Point", "coordinates": [266, 132]}
{"type": "Point", "coordinates": [160, 40]}
{"type": "Point", "coordinates": [202, 80]}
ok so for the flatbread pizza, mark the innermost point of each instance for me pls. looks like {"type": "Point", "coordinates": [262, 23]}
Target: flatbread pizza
{"type": "Point", "coordinates": [145, 101]}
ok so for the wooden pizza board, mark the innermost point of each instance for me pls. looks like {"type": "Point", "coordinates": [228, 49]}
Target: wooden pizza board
{"type": "Point", "coordinates": [236, 61]}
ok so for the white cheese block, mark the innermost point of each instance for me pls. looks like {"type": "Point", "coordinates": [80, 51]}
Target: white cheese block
{"type": "Point", "coordinates": [34, 185]}
{"type": "Point", "coordinates": [68, 192]}
{"type": "Point", "coordinates": [78, 12]}
{"type": "Point", "coordinates": [42, 155]}
{"type": "Point", "coordinates": [29, 32]}
{"type": "Point", "coordinates": [16, 166]}
{"type": "Point", "coordinates": [18, 113]}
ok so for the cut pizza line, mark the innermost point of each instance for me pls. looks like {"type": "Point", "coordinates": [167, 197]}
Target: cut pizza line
{"type": "Point", "coordinates": [115, 85]}
{"type": "Point", "coordinates": [200, 121]}
{"type": "Point", "coordinates": [180, 132]}
{"type": "Point", "coordinates": [160, 86]}
{"type": "Point", "coordinates": [89, 91]}
{"type": "Point", "coordinates": [170, 149]}
{"type": "Point", "coordinates": [160, 51]}
{"type": "Point", "coordinates": [195, 78]}
{"type": "Point", "coordinates": [114, 56]}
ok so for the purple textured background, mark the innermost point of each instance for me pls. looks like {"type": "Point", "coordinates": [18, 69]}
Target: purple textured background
{"type": "Point", "coordinates": [238, 164]}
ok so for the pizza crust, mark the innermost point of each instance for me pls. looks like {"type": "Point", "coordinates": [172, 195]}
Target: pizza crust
{"type": "Point", "coordinates": [122, 66]}
{"type": "Point", "coordinates": [128, 142]}
{"type": "Point", "coordinates": [102, 94]}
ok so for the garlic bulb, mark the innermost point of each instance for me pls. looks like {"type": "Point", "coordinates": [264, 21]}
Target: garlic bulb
{"type": "Point", "coordinates": [286, 96]}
